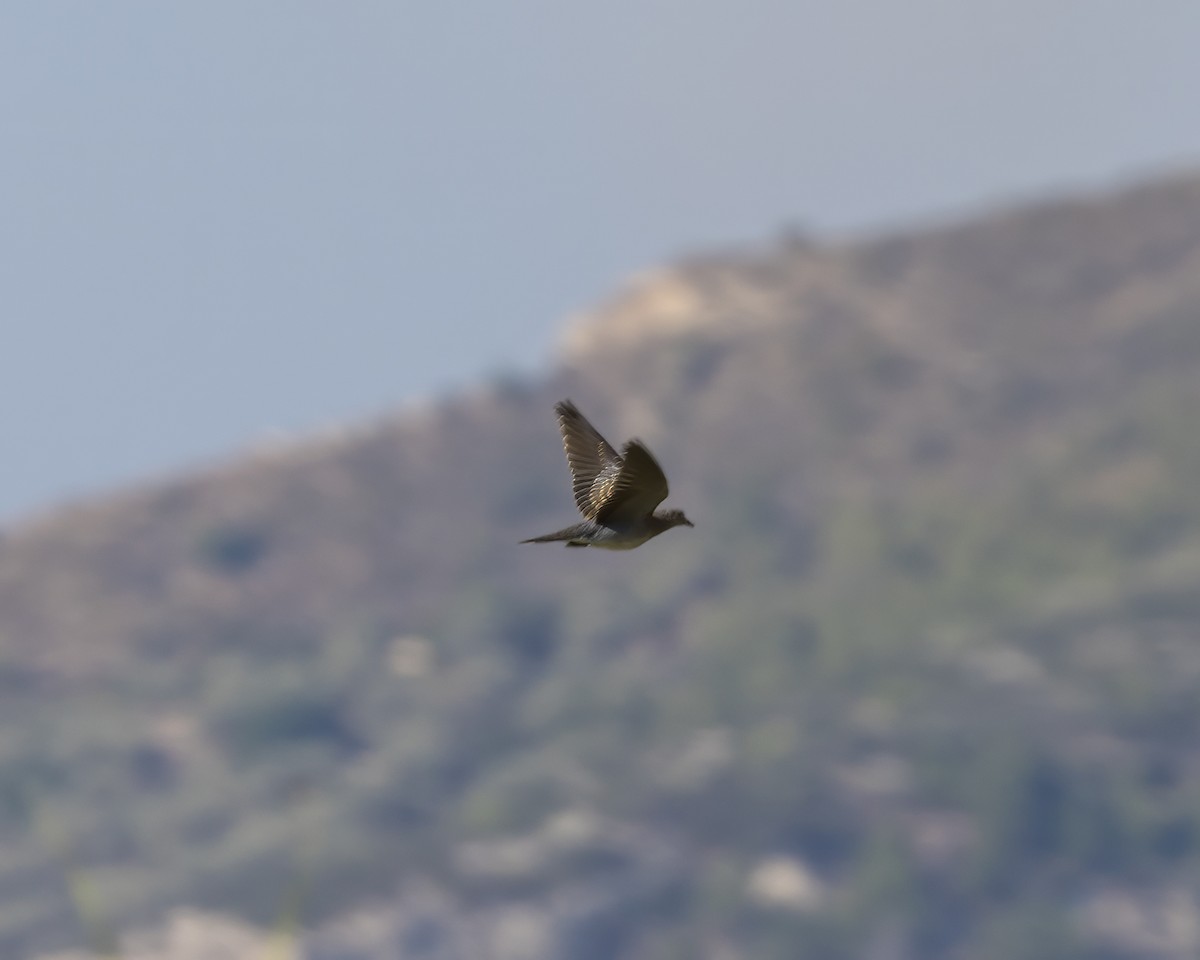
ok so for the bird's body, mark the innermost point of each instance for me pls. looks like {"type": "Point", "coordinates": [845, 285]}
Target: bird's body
{"type": "Point", "coordinates": [617, 493]}
{"type": "Point", "coordinates": [591, 534]}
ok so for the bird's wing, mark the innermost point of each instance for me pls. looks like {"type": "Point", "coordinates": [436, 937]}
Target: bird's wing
{"type": "Point", "coordinates": [636, 489]}
{"type": "Point", "coordinates": [594, 464]}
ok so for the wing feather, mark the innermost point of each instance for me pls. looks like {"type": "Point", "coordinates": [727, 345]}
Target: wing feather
{"type": "Point", "coordinates": [636, 489]}
{"type": "Point", "coordinates": [593, 462]}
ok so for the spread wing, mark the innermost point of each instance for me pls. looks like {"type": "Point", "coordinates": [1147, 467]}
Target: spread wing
{"type": "Point", "coordinates": [636, 489]}
{"type": "Point", "coordinates": [595, 465]}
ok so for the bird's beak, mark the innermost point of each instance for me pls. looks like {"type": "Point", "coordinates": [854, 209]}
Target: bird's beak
{"type": "Point", "coordinates": [688, 522]}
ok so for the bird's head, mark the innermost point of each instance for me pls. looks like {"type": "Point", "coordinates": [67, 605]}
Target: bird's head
{"type": "Point", "coordinates": [674, 518]}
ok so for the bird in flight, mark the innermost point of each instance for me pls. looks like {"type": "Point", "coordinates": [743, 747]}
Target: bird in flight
{"type": "Point", "coordinates": [615, 492]}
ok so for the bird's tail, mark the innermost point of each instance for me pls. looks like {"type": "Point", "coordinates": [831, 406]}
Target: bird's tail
{"type": "Point", "coordinates": [567, 533]}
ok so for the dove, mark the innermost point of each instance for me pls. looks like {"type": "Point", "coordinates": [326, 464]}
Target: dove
{"type": "Point", "coordinates": [617, 493]}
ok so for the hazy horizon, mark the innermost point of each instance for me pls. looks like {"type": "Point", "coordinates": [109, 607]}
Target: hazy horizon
{"type": "Point", "coordinates": [223, 222]}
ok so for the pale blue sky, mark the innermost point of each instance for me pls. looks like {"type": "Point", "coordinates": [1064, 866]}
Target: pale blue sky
{"type": "Point", "coordinates": [227, 218]}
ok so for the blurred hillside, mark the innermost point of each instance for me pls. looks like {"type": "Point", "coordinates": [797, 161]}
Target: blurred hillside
{"type": "Point", "coordinates": [921, 684]}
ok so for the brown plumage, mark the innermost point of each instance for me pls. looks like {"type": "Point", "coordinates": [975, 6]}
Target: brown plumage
{"type": "Point", "coordinates": [617, 493]}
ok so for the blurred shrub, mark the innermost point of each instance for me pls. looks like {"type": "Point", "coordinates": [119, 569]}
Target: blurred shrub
{"type": "Point", "coordinates": [233, 548]}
